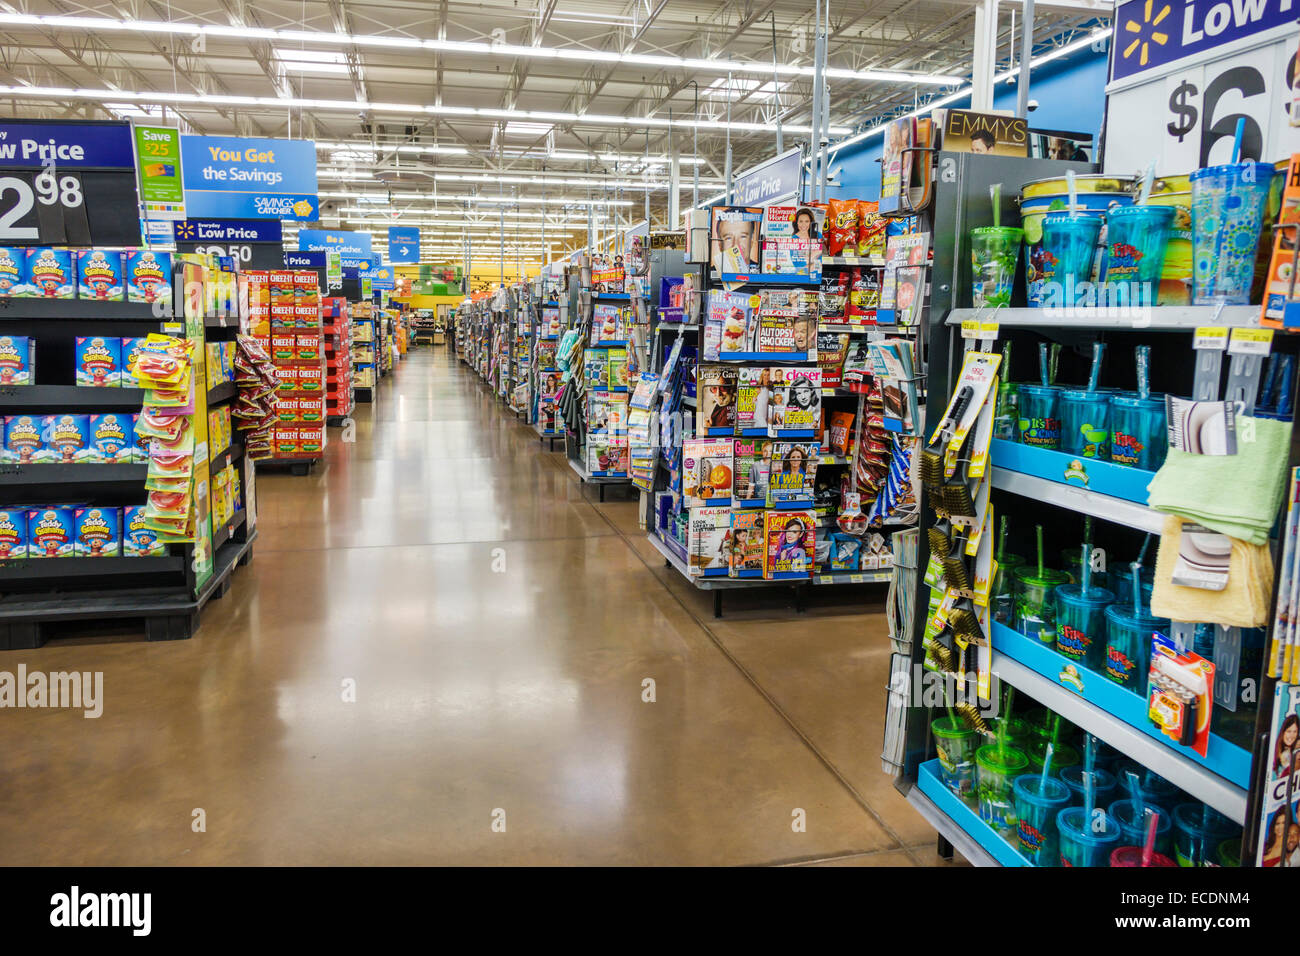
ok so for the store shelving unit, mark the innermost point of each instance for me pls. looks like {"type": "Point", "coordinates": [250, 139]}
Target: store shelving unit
{"type": "Point", "coordinates": [363, 352]}
{"type": "Point", "coordinates": [160, 592]}
{"type": "Point", "coordinates": [1058, 491]}
{"type": "Point", "coordinates": [336, 325]}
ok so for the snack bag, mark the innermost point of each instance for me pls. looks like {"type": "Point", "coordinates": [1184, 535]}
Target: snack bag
{"type": "Point", "coordinates": [871, 229]}
{"type": "Point", "coordinates": [841, 428]}
{"type": "Point", "coordinates": [841, 227]}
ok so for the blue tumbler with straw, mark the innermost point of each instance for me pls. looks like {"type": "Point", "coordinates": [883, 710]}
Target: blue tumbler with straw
{"type": "Point", "coordinates": [1228, 205]}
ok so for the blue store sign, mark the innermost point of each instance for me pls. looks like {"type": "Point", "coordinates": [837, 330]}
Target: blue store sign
{"type": "Point", "coordinates": [229, 230]}
{"type": "Point", "coordinates": [403, 244]}
{"type": "Point", "coordinates": [231, 178]}
{"type": "Point", "coordinates": [381, 277]}
{"type": "Point", "coordinates": [304, 260]}
{"type": "Point", "coordinates": [1151, 33]}
{"type": "Point", "coordinates": [356, 265]}
{"type": "Point", "coordinates": [773, 182]}
{"type": "Point", "coordinates": [334, 240]}
{"type": "Point", "coordinates": [104, 145]}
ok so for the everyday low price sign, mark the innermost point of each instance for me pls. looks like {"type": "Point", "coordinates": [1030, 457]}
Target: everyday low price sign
{"type": "Point", "coordinates": [68, 184]}
{"type": "Point", "coordinates": [253, 243]}
{"type": "Point", "coordinates": [233, 178]}
{"type": "Point", "coordinates": [1197, 67]}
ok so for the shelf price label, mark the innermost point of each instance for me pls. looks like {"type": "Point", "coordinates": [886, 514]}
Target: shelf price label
{"type": "Point", "coordinates": [1209, 337]}
{"type": "Point", "coordinates": [979, 329]}
{"type": "Point", "coordinates": [1250, 342]}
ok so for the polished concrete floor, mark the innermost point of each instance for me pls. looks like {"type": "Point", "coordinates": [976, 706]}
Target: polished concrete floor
{"type": "Point", "coordinates": [495, 624]}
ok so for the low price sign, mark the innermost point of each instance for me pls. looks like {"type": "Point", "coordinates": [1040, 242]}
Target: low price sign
{"type": "Point", "coordinates": [1200, 66]}
{"type": "Point", "coordinates": [68, 183]}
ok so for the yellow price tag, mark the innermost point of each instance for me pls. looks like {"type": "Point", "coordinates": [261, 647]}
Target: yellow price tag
{"type": "Point", "coordinates": [1250, 342]}
{"type": "Point", "coordinates": [1209, 337]}
{"type": "Point", "coordinates": [970, 328]}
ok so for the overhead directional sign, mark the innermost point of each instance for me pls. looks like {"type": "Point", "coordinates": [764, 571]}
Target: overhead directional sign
{"type": "Point", "coordinates": [233, 178]}
{"type": "Point", "coordinates": [403, 244]}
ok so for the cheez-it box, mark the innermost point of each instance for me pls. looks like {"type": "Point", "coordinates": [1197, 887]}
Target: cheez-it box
{"type": "Point", "coordinates": [308, 346]}
{"type": "Point", "coordinates": [311, 410]}
{"type": "Point", "coordinates": [288, 376]}
{"type": "Point", "coordinates": [283, 346]}
{"type": "Point", "coordinates": [311, 440]}
{"type": "Point", "coordinates": [311, 378]}
{"type": "Point", "coordinates": [286, 441]}
{"type": "Point", "coordinates": [286, 409]}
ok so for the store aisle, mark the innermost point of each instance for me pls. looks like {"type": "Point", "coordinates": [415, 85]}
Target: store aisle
{"type": "Point", "coordinates": [497, 626]}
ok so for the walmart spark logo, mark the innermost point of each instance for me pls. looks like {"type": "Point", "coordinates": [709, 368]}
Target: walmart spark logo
{"type": "Point", "coordinates": [1146, 32]}
{"type": "Point", "coordinates": [185, 230]}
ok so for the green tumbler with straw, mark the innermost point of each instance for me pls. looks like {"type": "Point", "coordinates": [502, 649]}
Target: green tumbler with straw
{"type": "Point", "coordinates": [955, 742]}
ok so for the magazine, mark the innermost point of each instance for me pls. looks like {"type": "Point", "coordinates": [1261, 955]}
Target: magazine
{"type": "Point", "coordinates": [617, 364]}
{"type": "Point", "coordinates": [792, 257]}
{"type": "Point", "coordinates": [896, 168]}
{"type": "Point", "coordinates": [792, 240]}
{"type": "Point", "coordinates": [792, 475]}
{"type": "Point", "coordinates": [787, 322]}
{"type": "Point", "coordinates": [893, 364]}
{"type": "Point", "coordinates": [708, 541]}
{"type": "Point", "coordinates": [735, 243]}
{"type": "Point", "coordinates": [1280, 803]}
{"type": "Point", "coordinates": [646, 387]}
{"type": "Point", "coordinates": [609, 323]}
{"type": "Point", "coordinates": [550, 324]}
{"type": "Point", "coordinates": [790, 543]}
{"type": "Point", "coordinates": [796, 401]}
{"type": "Point", "coordinates": [751, 461]}
{"type": "Point", "coordinates": [911, 249]}
{"type": "Point", "coordinates": [595, 368]}
{"type": "Point", "coordinates": [753, 400]}
{"type": "Point", "coordinates": [965, 131]}
{"type": "Point", "coordinates": [546, 354]}
{"type": "Point", "coordinates": [606, 413]}
{"type": "Point", "coordinates": [706, 471]}
{"type": "Point", "coordinates": [717, 400]}
{"type": "Point", "coordinates": [607, 456]}
{"type": "Point", "coordinates": [727, 325]}
{"type": "Point", "coordinates": [747, 544]}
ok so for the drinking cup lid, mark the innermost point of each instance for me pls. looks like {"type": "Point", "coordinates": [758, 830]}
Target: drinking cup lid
{"type": "Point", "coordinates": [1073, 594]}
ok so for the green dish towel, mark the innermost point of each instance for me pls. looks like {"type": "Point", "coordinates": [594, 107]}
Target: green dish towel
{"type": "Point", "coordinates": [1237, 495]}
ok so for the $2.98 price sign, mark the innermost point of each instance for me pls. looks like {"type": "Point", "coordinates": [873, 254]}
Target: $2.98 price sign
{"type": "Point", "coordinates": [54, 206]}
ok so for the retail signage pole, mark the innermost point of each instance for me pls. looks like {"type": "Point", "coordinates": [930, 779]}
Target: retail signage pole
{"type": "Point", "coordinates": [826, 106]}
{"type": "Point", "coordinates": [727, 173]}
{"type": "Point", "coordinates": [502, 233]}
{"type": "Point", "coordinates": [674, 191]}
{"type": "Point", "coordinates": [986, 25]}
{"type": "Point", "coordinates": [695, 149]}
{"type": "Point", "coordinates": [815, 136]}
{"type": "Point", "coordinates": [1026, 53]}
{"type": "Point", "coordinates": [645, 172]}
{"type": "Point", "coordinates": [776, 92]}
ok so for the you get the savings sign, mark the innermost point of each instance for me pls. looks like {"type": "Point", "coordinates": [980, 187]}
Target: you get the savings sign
{"type": "Point", "coordinates": [234, 178]}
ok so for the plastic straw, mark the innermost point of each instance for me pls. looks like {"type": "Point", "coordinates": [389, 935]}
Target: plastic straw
{"type": "Point", "coordinates": [1056, 358]}
{"type": "Point", "coordinates": [1039, 530]}
{"type": "Point", "coordinates": [1135, 569]}
{"type": "Point", "coordinates": [1002, 538]}
{"type": "Point", "coordinates": [1085, 576]}
{"type": "Point", "coordinates": [1098, 350]}
{"type": "Point", "coordinates": [1073, 187]}
{"type": "Point", "coordinates": [1047, 769]}
{"type": "Point", "coordinates": [995, 194]}
{"type": "Point", "coordinates": [1044, 370]}
{"type": "Point", "coordinates": [1146, 543]}
{"type": "Point", "coordinates": [1135, 792]}
{"type": "Point", "coordinates": [1149, 844]}
{"type": "Point", "coordinates": [1148, 180]}
{"type": "Point", "coordinates": [1089, 797]}
{"type": "Point", "coordinates": [1237, 137]}
{"type": "Point", "coordinates": [1087, 531]}
{"type": "Point", "coordinates": [1143, 353]}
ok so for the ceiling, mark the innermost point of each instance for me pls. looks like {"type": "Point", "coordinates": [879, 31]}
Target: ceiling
{"type": "Point", "coordinates": [403, 125]}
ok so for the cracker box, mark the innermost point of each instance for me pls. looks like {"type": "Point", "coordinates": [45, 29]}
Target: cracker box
{"type": "Point", "coordinates": [112, 437]}
{"type": "Point", "coordinates": [99, 275]}
{"type": "Point", "coordinates": [283, 346]}
{"type": "Point", "coordinates": [307, 347]}
{"type": "Point", "coordinates": [50, 533]}
{"type": "Point", "coordinates": [311, 411]}
{"type": "Point", "coordinates": [130, 354]}
{"type": "Point", "coordinates": [17, 360]}
{"type": "Point", "coordinates": [306, 303]}
{"type": "Point", "coordinates": [311, 440]}
{"type": "Point", "coordinates": [66, 438]}
{"type": "Point", "coordinates": [97, 532]}
{"type": "Point", "coordinates": [13, 533]}
{"type": "Point", "coordinates": [282, 299]}
{"type": "Point", "coordinates": [311, 379]}
{"type": "Point", "coordinates": [98, 360]}
{"type": "Point", "coordinates": [140, 444]}
{"type": "Point", "coordinates": [13, 271]}
{"type": "Point", "coordinates": [286, 409]}
{"type": "Point", "coordinates": [22, 438]}
{"type": "Point", "coordinates": [137, 540]}
{"type": "Point", "coordinates": [288, 376]}
{"type": "Point", "coordinates": [148, 276]}
{"type": "Point", "coordinates": [286, 442]}
{"type": "Point", "coordinates": [50, 274]}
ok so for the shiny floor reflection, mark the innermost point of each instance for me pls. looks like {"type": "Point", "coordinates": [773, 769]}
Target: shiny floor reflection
{"type": "Point", "coordinates": [440, 631]}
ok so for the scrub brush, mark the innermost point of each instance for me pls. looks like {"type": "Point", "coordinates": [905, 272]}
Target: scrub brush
{"type": "Point", "coordinates": [965, 623]}
{"type": "Point", "coordinates": [932, 460]}
{"type": "Point", "coordinates": [970, 713]}
{"type": "Point", "coordinates": [957, 500]}
{"type": "Point", "coordinates": [955, 573]}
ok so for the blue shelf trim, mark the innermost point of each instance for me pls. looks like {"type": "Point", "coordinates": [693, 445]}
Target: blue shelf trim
{"type": "Point", "coordinates": [761, 279]}
{"type": "Point", "coordinates": [760, 357]}
{"type": "Point", "coordinates": [1092, 474]}
{"type": "Point", "coordinates": [928, 779]}
{"type": "Point", "coordinates": [1224, 758]}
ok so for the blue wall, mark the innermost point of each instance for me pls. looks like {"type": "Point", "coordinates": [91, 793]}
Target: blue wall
{"type": "Point", "coordinates": [1071, 95]}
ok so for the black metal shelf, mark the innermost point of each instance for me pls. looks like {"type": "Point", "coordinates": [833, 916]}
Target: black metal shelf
{"type": "Point", "coordinates": [13, 474]}
{"type": "Point", "coordinates": [82, 310]}
{"type": "Point", "coordinates": [58, 569]}
{"type": "Point", "coordinates": [222, 393]}
{"type": "Point", "coordinates": [40, 397]}
{"type": "Point", "coordinates": [233, 452]}
{"type": "Point", "coordinates": [227, 531]}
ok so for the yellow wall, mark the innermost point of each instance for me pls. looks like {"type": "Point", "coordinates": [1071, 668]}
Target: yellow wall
{"type": "Point", "coordinates": [431, 301]}
{"type": "Point", "coordinates": [481, 273]}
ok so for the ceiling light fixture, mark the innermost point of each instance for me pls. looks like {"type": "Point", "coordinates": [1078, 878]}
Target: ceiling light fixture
{"type": "Point", "coordinates": [353, 106]}
{"type": "Point", "coordinates": [506, 50]}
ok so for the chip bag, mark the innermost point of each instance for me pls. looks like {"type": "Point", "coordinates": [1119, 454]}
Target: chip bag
{"type": "Point", "coordinates": [841, 227]}
{"type": "Point", "coordinates": [871, 230]}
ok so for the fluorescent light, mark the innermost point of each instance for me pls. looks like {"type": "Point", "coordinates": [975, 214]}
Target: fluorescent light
{"type": "Point", "coordinates": [527, 129]}
{"type": "Point", "coordinates": [312, 61]}
{"type": "Point", "coordinates": [740, 86]}
{"type": "Point", "coordinates": [353, 106]}
{"type": "Point", "coordinates": [502, 50]}
{"type": "Point", "coordinates": [510, 200]}
{"type": "Point", "coordinates": [369, 152]}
